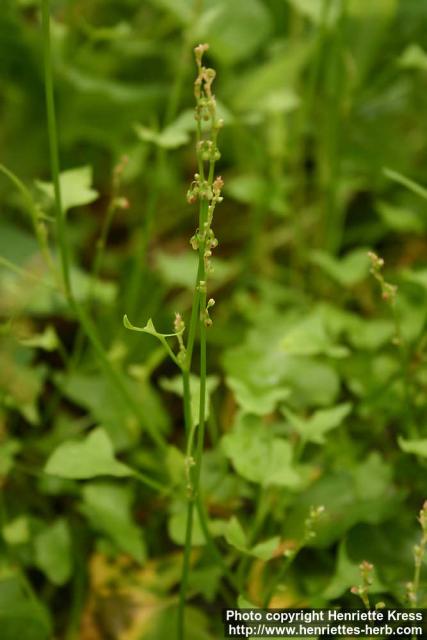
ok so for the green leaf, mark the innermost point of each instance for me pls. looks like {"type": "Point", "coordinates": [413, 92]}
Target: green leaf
{"type": "Point", "coordinates": [53, 552]}
{"type": "Point", "coordinates": [21, 614]}
{"type": "Point", "coordinates": [260, 84]}
{"type": "Point", "coordinates": [310, 337]}
{"type": "Point", "coordinates": [48, 340]}
{"type": "Point", "coordinates": [417, 446]}
{"type": "Point", "coordinates": [91, 457]}
{"type": "Point", "coordinates": [179, 269]}
{"type": "Point", "coordinates": [243, 603]}
{"type": "Point", "coordinates": [8, 451]}
{"type": "Point", "coordinates": [319, 11]}
{"type": "Point", "coordinates": [108, 508]}
{"type": "Point", "coordinates": [414, 57]}
{"type": "Point", "coordinates": [234, 30]}
{"type": "Point", "coordinates": [174, 385]}
{"type": "Point", "coordinates": [315, 428]}
{"type": "Point", "coordinates": [255, 399]}
{"type": "Point", "coordinates": [235, 535]}
{"type": "Point", "coordinates": [148, 328]}
{"type": "Point", "coordinates": [346, 271]}
{"type": "Point", "coordinates": [249, 188]}
{"type": "Point", "coordinates": [383, 9]}
{"type": "Point", "coordinates": [347, 575]}
{"type": "Point", "coordinates": [173, 136]}
{"type": "Point", "coordinates": [371, 334]}
{"type": "Point", "coordinates": [406, 182]}
{"type": "Point", "coordinates": [177, 525]}
{"type": "Point", "coordinates": [17, 531]}
{"type": "Point", "coordinates": [265, 550]}
{"type": "Point", "coordinates": [76, 188]}
{"type": "Point", "coordinates": [400, 219]}
{"type": "Point", "coordinates": [364, 493]}
{"type": "Point", "coordinates": [258, 456]}
{"type": "Point", "coordinates": [182, 9]}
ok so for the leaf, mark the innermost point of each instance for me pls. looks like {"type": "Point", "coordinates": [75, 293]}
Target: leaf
{"type": "Point", "coordinates": [174, 385]}
{"type": "Point", "coordinates": [315, 428]}
{"type": "Point", "coordinates": [311, 383]}
{"type": "Point", "coordinates": [48, 340]}
{"type": "Point", "coordinates": [76, 188]}
{"type": "Point", "coordinates": [8, 451]}
{"type": "Point", "coordinates": [17, 531]}
{"type": "Point", "coordinates": [258, 456]}
{"type": "Point", "coordinates": [352, 494]}
{"type": "Point", "coordinates": [98, 395]}
{"type": "Point", "coordinates": [20, 381]}
{"type": "Point", "coordinates": [416, 446]}
{"type": "Point", "coordinates": [265, 550]}
{"type": "Point", "coordinates": [310, 337]}
{"type": "Point", "coordinates": [399, 219]}
{"type": "Point", "coordinates": [108, 508]}
{"type": "Point", "coordinates": [179, 269]}
{"type": "Point", "coordinates": [235, 535]}
{"type": "Point", "coordinates": [319, 11]}
{"type": "Point", "coordinates": [148, 328]}
{"type": "Point", "coordinates": [243, 603]}
{"type": "Point", "coordinates": [257, 400]}
{"type": "Point", "coordinates": [413, 57]}
{"type": "Point", "coordinates": [417, 276]}
{"type": "Point", "coordinates": [53, 552]}
{"type": "Point", "coordinates": [346, 271]}
{"type": "Point", "coordinates": [91, 457]}
{"type": "Point", "coordinates": [247, 188]}
{"type": "Point", "coordinates": [347, 575]}
{"type": "Point", "coordinates": [260, 83]}
{"type": "Point", "coordinates": [234, 30]}
{"type": "Point", "coordinates": [177, 525]}
{"type": "Point", "coordinates": [370, 335]}
{"type": "Point", "coordinates": [173, 136]}
{"type": "Point", "coordinates": [21, 615]}
{"type": "Point", "coordinates": [382, 9]}
{"type": "Point", "coordinates": [404, 181]}
{"type": "Point", "coordinates": [182, 9]}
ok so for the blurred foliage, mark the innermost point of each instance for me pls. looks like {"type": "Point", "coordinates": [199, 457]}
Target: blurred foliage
{"type": "Point", "coordinates": [318, 387]}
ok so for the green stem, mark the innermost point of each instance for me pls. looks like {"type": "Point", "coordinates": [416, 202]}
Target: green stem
{"type": "Point", "coordinates": [36, 219]}
{"type": "Point", "coordinates": [276, 581]}
{"type": "Point", "coordinates": [53, 147]}
{"type": "Point", "coordinates": [84, 319]}
{"type": "Point", "coordinates": [4, 262]}
{"type": "Point", "coordinates": [96, 267]}
{"type": "Point", "coordinates": [262, 509]}
{"type": "Point", "coordinates": [139, 263]}
{"type": "Point", "coordinates": [194, 473]}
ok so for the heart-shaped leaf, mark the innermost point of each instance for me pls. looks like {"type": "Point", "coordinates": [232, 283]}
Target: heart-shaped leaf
{"type": "Point", "coordinates": [93, 456]}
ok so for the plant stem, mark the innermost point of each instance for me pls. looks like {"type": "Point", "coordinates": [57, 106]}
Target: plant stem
{"type": "Point", "coordinates": [84, 319]}
{"type": "Point", "coordinates": [97, 261]}
{"type": "Point", "coordinates": [208, 192]}
{"type": "Point", "coordinates": [194, 474]}
{"type": "Point", "coordinates": [53, 148]}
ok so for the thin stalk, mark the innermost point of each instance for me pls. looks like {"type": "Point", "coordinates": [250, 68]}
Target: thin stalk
{"type": "Point", "coordinates": [199, 303]}
{"type": "Point", "coordinates": [262, 509]}
{"type": "Point", "coordinates": [277, 580]}
{"type": "Point", "coordinates": [53, 148]}
{"type": "Point", "coordinates": [139, 263]}
{"type": "Point", "coordinates": [7, 264]}
{"type": "Point", "coordinates": [36, 219]}
{"type": "Point", "coordinates": [159, 160]}
{"type": "Point", "coordinates": [208, 191]}
{"type": "Point", "coordinates": [99, 254]}
{"type": "Point", "coordinates": [84, 319]}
